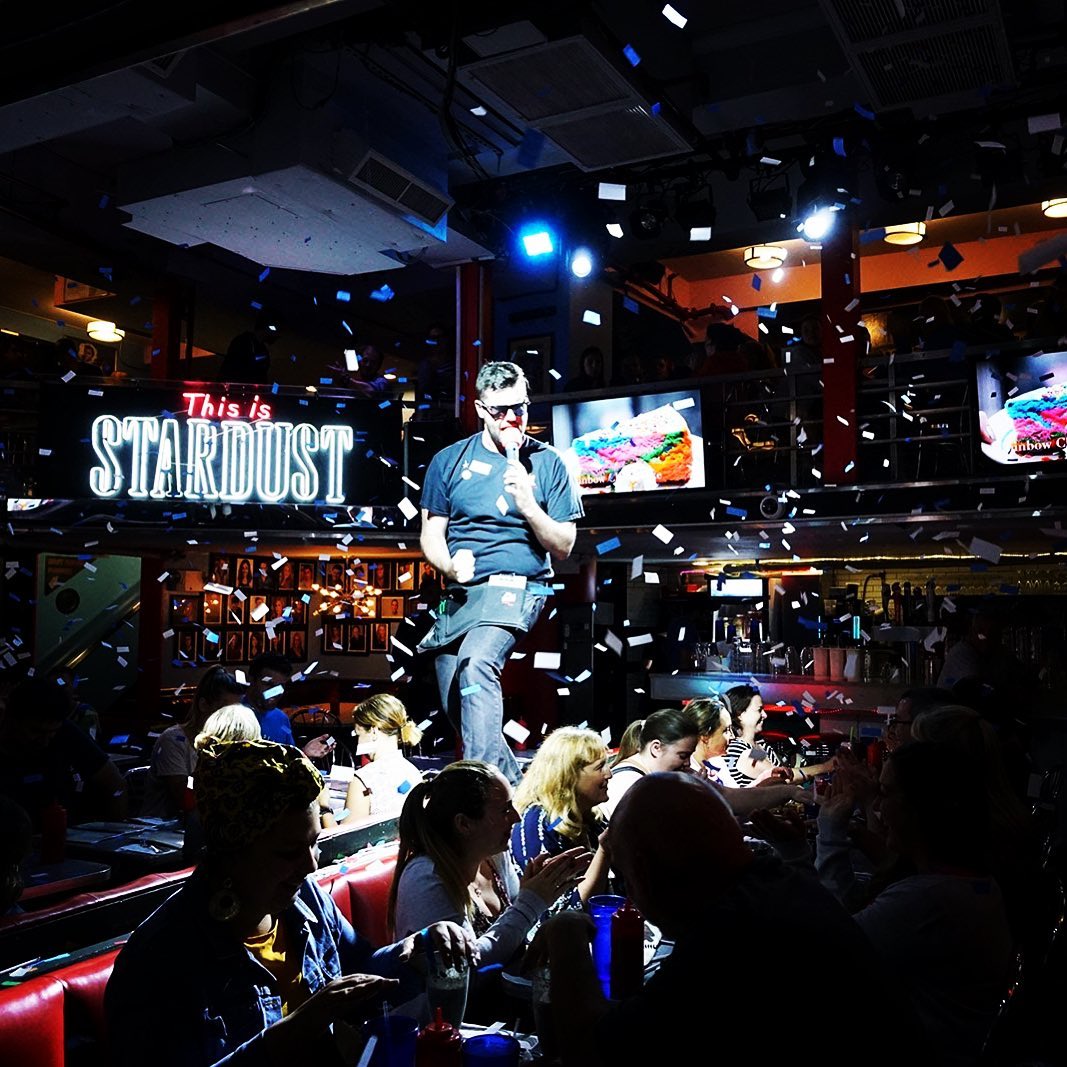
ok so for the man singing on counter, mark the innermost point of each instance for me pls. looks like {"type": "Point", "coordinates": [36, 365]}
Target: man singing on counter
{"type": "Point", "coordinates": [497, 508]}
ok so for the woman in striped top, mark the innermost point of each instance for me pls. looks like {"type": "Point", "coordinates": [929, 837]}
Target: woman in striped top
{"type": "Point", "coordinates": [748, 763]}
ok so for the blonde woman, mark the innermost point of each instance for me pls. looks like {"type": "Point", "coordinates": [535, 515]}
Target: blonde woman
{"type": "Point", "coordinates": [234, 722]}
{"type": "Point", "coordinates": [377, 790]}
{"type": "Point", "coordinates": [564, 782]}
{"type": "Point", "coordinates": [629, 743]}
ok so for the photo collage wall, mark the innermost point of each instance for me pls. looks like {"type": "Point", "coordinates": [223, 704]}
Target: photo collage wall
{"type": "Point", "coordinates": [273, 608]}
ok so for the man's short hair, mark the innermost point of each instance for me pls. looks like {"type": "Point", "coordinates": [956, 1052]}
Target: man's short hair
{"type": "Point", "coordinates": [269, 661]}
{"type": "Point", "coordinates": [499, 375]}
{"type": "Point", "coordinates": [40, 699]}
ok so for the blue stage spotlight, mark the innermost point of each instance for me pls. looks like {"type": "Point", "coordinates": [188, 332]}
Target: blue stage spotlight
{"type": "Point", "coordinates": [537, 241]}
{"type": "Point", "coordinates": [582, 262]}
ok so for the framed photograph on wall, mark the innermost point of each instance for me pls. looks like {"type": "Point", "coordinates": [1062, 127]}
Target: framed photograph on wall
{"type": "Point", "coordinates": [358, 575]}
{"type": "Point", "coordinates": [258, 609]}
{"type": "Point", "coordinates": [333, 637]}
{"type": "Point", "coordinates": [407, 571]}
{"type": "Point", "coordinates": [281, 609]}
{"type": "Point", "coordinates": [335, 574]}
{"type": "Point", "coordinates": [299, 615]}
{"type": "Point", "coordinates": [233, 649]}
{"type": "Point", "coordinates": [380, 573]}
{"type": "Point", "coordinates": [379, 636]}
{"type": "Point", "coordinates": [263, 576]}
{"type": "Point", "coordinates": [186, 648]}
{"type": "Point", "coordinates": [220, 570]}
{"type": "Point", "coordinates": [305, 576]}
{"type": "Point", "coordinates": [236, 608]}
{"type": "Point", "coordinates": [276, 642]}
{"type": "Point", "coordinates": [357, 637]}
{"type": "Point", "coordinates": [286, 576]}
{"type": "Point", "coordinates": [255, 642]}
{"type": "Point", "coordinates": [184, 609]}
{"type": "Point", "coordinates": [391, 607]}
{"type": "Point", "coordinates": [213, 606]}
{"type": "Point", "coordinates": [298, 646]}
{"type": "Point", "coordinates": [243, 573]}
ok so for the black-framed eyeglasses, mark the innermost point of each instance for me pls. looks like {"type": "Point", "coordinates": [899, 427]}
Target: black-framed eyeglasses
{"type": "Point", "coordinates": [499, 413]}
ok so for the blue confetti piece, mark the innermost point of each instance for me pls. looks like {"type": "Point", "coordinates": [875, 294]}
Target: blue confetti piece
{"type": "Point", "coordinates": [631, 55]}
{"type": "Point", "coordinates": [274, 387]}
{"type": "Point", "coordinates": [347, 328]}
{"type": "Point", "coordinates": [757, 283]}
{"type": "Point", "coordinates": [839, 146]}
{"type": "Point", "coordinates": [103, 201]}
{"type": "Point", "coordinates": [864, 113]}
{"type": "Point", "coordinates": [737, 513]}
{"type": "Point", "coordinates": [382, 294]}
{"type": "Point", "coordinates": [403, 787]}
{"type": "Point", "coordinates": [264, 274]}
{"type": "Point", "coordinates": [609, 545]}
{"type": "Point", "coordinates": [554, 823]}
{"type": "Point", "coordinates": [477, 344]}
{"type": "Point", "coordinates": [210, 635]}
{"type": "Point", "coordinates": [343, 296]}
{"type": "Point", "coordinates": [656, 107]}
{"type": "Point", "coordinates": [950, 256]}
{"type": "Point", "coordinates": [385, 403]}
{"type": "Point", "coordinates": [325, 381]}
{"type": "Point", "coordinates": [464, 692]}
{"type": "Point", "coordinates": [766, 313]}
{"type": "Point", "coordinates": [631, 305]}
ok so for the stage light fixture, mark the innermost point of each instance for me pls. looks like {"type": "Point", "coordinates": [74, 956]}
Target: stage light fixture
{"type": "Point", "coordinates": [818, 224]}
{"type": "Point", "coordinates": [907, 233]}
{"type": "Point", "coordinates": [582, 262]}
{"type": "Point", "coordinates": [104, 331]}
{"type": "Point", "coordinates": [646, 221]}
{"type": "Point", "coordinates": [537, 241]}
{"type": "Point", "coordinates": [1055, 209]}
{"type": "Point", "coordinates": [769, 202]}
{"type": "Point", "coordinates": [695, 213]}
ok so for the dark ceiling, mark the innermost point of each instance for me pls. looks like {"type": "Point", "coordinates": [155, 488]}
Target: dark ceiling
{"type": "Point", "coordinates": [120, 122]}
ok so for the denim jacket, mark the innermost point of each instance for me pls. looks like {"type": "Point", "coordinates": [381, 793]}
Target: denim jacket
{"type": "Point", "coordinates": [184, 993]}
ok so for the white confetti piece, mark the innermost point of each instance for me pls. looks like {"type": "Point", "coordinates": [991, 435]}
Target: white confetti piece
{"type": "Point", "coordinates": [663, 534]}
{"type": "Point", "coordinates": [547, 661]}
{"type": "Point", "coordinates": [516, 731]}
{"type": "Point", "coordinates": [639, 639]}
{"type": "Point", "coordinates": [407, 509]}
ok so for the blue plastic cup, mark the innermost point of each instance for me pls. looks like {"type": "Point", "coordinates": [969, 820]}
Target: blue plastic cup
{"type": "Point", "coordinates": [601, 908]}
{"type": "Point", "coordinates": [491, 1050]}
{"type": "Point", "coordinates": [395, 1040]}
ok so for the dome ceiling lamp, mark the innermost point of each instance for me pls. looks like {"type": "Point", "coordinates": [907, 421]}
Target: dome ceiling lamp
{"type": "Point", "coordinates": [105, 332]}
{"type": "Point", "coordinates": [907, 233]}
{"type": "Point", "coordinates": [1054, 209]}
{"type": "Point", "coordinates": [765, 257]}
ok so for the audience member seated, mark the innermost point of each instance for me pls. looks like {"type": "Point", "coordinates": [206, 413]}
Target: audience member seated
{"type": "Point", "coordinates": [368, 379]}
{"type": "Point", "coordinates": [942, 931]}
{"type": "Point", "coordinates": [45, 758]}
{"type": "Point", "coordinates": [167, 794]}
{"type": "Point", "coordinates": [909, 704]}
{"type": "Point", "coordinates": [247, 358]}
{"type": "Point", "coordinates": [663, 368]}
{"type": "Point", "coordinates": [805, 352]}
{"type": "Point", "coordinates": [269, 673]}
{"type": "Point", "coordinates": [378, 789]}
{"type": "Point", "coordinates": [980, 654]}
{"type": "Point", "coordinates": [82, 713]}
{"type": "Point", "coordinates": [722, 350]}
{"type": "Point", "coordinates": [629, 743]}
{"type": "Point", "coordinates": [592, 373]}
{"type": "Point", "coordinates": [1014, 849]}
{"type": "Point", "coordinates": [453, 863]}
{"type": "Point", "coordinates": [716, 728]}
{"type": "Point", "coordinates": [668, 740]}
{"type": "Point", "coordinates": [687, 869]}
{"type": "Point", "coordinates": [16, 843]}
{"type": "Point", "coordinates": [556, 801]}
{"type": "Point", "coordinates": [986, 326]}
{"type": "Point", "coordinates": [250, 961]}
{"type": "Point", "coordinates": [435, 376]}
{"type": "Point", "coordinates": [751, 764]}
{"type": "Point", "coordinates": [939, 327]}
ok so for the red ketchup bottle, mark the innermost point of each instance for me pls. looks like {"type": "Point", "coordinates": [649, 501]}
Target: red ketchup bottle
{"type": "Point", "coordinates": [627, 951]}
{"type": "Point", "coordinates": [439, 1044]}
{"type": "Point", "coordinates": [53, 832]}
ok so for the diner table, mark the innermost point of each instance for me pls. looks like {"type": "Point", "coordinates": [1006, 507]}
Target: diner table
{"type": "Point", "coordinates": [132, 846]}
{"type": "Point", "coordinates": [41, 880]}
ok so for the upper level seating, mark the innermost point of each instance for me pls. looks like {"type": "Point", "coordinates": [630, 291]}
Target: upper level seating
{"type": "Point", "coordinates": [57, 1019]}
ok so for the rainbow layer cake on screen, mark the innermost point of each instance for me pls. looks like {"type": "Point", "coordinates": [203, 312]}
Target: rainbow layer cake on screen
{"type": "Point", "coordinates": [648, 451]}
{"type": "Point", "coordinates": [1039, 421]}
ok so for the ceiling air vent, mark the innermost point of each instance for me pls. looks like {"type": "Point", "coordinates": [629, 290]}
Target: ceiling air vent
{"type": "Point", "coordinates": [571, 93]}
{"type": "Point", "coordinates": [943, 54]}
{"type": "Point", "coordinates": [391, 183]}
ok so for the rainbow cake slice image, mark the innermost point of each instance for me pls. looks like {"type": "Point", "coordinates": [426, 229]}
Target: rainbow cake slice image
{"type": "Point", "coordinates": [652, 449]}
{"type": "Point", "coordinates": [1040, 420]}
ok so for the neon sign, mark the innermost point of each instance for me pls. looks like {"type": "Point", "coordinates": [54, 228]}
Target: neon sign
{"type": "Point", "coordinates": [219, 450]}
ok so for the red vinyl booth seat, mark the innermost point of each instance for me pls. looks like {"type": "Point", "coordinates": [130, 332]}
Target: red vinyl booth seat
{"type": "Point", "coordinates": [44, 1018]}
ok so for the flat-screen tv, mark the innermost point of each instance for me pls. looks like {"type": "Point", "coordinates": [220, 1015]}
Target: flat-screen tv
{"type": "Point", "coordinates": [632, 444]}
{"type": "Point", "coordinates": [1022, 407]}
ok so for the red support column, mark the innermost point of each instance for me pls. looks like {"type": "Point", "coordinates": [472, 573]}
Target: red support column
{"type": "Point", "coordinates": [840, 262]}
{"type": "Point", "coordinates": [474, 315]}
{"type": "Point", "coordinates": [164, 356]}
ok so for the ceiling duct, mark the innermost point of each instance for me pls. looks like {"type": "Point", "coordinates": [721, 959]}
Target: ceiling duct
{"type": "Point", "coordinates": [944, 55]}
{"type": "Point", "coordinates": [572, 94]}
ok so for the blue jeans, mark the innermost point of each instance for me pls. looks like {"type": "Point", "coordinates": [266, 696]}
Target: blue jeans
{"type": "Point", "coordinates": [468, 680]}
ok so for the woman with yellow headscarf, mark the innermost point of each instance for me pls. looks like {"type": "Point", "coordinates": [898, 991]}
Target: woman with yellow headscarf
{"type": "Point", "coordinates": [250, 962]}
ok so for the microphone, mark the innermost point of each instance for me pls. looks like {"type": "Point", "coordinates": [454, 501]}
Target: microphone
{"type": "Point", "coordinates": [512, 438]}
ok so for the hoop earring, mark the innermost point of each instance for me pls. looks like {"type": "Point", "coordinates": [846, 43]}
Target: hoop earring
{"type": "Point", "coordinates": [224, 904]}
